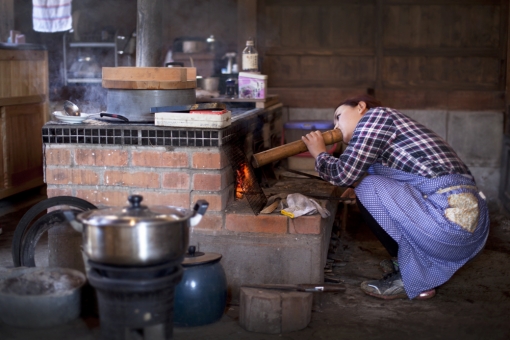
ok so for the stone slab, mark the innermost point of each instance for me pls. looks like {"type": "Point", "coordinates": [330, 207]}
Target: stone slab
{"type": "Point", "coordinates": [433, 119]}
{"type": "Point", "coordinates": [487, 180]}
{"type": "Point", "coordinates": [476, 137]}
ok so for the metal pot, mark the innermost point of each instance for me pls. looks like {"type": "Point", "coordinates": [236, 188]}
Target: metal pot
{"type": "Point", "coordinates": [208, 83]}
{"type": "Point", "coordinates": [136, 235]}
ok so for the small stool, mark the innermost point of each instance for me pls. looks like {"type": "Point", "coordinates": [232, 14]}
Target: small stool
{"type": "Point", "coordinates": [274, 311]}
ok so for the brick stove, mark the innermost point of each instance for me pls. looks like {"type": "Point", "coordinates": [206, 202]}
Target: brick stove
{"type": "Point", "coordinates": [103, 164]}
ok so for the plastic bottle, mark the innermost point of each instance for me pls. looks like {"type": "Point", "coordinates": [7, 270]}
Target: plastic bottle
{"type": "Point", "coordinates": [250, 57]}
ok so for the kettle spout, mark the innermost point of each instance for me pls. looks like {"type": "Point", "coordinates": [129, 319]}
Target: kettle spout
{"type": "Point", "coordinates": [200, 208]}
{"type": "Point", "coordinates": [71, 218]}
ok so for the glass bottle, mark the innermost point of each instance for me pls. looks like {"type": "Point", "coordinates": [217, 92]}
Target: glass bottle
{"type": "Point", "coordinates": [250, 57]}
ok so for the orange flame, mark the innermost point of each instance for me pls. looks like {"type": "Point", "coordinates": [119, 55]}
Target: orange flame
{"type": "Point", "coordinates": [242, 173]}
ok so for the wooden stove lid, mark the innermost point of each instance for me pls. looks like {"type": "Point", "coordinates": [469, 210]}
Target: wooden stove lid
{"type": "Point", "coordinates": [149, 78]}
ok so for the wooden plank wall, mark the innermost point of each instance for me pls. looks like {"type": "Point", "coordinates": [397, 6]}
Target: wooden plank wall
{"type": "Point", "coordinates": [411, 53]}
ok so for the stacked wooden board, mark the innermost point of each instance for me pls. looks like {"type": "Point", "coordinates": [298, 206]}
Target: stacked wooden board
{"type": "Point", "coordinates": [199, 119]}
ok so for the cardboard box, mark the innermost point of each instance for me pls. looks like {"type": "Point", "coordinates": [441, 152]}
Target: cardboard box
{"type": "Point", "coordinates": [252, 85]}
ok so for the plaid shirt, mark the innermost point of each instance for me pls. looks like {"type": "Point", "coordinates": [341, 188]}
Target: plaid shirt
{"type": "Point", "coordinates": [389, 137]}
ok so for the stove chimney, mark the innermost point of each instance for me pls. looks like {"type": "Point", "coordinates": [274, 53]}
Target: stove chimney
{"type": "Point", "coordinates": [148, 33]}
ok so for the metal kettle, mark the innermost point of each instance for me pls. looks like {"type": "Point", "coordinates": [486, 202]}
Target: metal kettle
{"type": "Point", "coordinates": [201, 296]}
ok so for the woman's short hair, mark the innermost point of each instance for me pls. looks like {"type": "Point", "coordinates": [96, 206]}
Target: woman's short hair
{"type": "Point", "coordinates": [369, 100]}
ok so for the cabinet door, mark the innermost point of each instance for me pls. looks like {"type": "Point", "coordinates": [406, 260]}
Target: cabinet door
{"type": "Point", "coordinates": [22, 147]}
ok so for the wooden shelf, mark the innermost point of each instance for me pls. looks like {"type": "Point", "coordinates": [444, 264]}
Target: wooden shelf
{"type": "Point", "coordinates": [271, 100]}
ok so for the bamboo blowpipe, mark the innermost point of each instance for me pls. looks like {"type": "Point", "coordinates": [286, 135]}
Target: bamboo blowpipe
{"type": "Point", "coordinates": [291, 149]}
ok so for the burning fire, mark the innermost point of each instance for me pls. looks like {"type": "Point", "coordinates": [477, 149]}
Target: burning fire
{"type": "Point", "coordinates": [242, 173]}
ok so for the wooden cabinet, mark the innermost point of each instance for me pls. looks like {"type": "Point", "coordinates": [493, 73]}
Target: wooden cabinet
{"type": "Point", "coordinates": [23, 112]}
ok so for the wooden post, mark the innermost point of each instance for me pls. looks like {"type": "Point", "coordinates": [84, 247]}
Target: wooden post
{"type": "Point", "coordinates": [148, 33]}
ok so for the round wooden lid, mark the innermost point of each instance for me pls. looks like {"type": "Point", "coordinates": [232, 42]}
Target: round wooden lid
{"type": "Point", "coordinates": [149, 78]}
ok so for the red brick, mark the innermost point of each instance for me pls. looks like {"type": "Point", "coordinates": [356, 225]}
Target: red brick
{"type": "Point", "coordinates": [176, 180]}
{"type": "Point", "coordinates": [105, 197]}
{"type": "Point", "coordinates": [57, 156]}
{"type": "Point", "coordinates": [101, 157]}
{"type": "Point", "coordinates": [211, 222]}
{"type": "Point", "coordinates": [53, 192]}
{"type": "Point", "coordinates": [209, 160]}
{"type": "Point", "coordinates": [164, 158]}
{"type": "Point", "coordinates": [217, 201]}
{"type": "Point", "coordinates": [273, 224]}
{"type": "Point", "coordinates": [71, 176]}
{"type": "Point", "coordinates": [306, 225]}
{"type": "Point", "coordinates": [213, 181]}
{"type": "Point", "coordinates": [132, 179]}
{"type": "Point", "coordinates": [177, 199]}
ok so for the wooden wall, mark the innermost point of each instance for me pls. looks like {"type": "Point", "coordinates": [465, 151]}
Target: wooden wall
{"type": "Point", "coordinates": [411, 53]}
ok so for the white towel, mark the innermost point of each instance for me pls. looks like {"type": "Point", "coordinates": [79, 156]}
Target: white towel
{"type": "Point", "coordinates": [52, 15]}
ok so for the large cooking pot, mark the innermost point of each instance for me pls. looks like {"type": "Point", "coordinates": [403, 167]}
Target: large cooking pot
{"type": "Point", "coordinates": [136, 235]}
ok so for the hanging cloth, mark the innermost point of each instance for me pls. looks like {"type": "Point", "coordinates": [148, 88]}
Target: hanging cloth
{"type": "Point", "coordinates": [52, 15]}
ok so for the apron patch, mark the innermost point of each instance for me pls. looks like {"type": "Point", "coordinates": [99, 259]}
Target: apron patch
{"type": "Point", "coordinates": [463, 211]}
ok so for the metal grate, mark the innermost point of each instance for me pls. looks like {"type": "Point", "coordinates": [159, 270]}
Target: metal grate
{"type": "Point", "coordinates": [134, 135]}
{"type": "Point", "coordinates": [251, 188]}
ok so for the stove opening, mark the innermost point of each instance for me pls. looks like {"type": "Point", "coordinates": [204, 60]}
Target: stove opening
{"type": "Point", "coordinates": [242, 178]}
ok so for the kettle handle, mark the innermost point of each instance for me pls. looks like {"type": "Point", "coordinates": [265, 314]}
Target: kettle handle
{"type": "Point", "coordinates": [199, 210]}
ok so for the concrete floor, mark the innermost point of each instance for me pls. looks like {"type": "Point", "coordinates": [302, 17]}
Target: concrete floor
{"type": "Point", "coordinates": [474, 304]}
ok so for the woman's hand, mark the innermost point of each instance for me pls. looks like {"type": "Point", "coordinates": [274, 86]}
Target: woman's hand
{"type": "Point", "coordinates": [349, 193]}
{"type": "Point", "coordinates": [314, 142]}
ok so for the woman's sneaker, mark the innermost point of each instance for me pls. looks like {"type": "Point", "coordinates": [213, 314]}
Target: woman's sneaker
{"type": "Point", "coordinates": [391, 287]}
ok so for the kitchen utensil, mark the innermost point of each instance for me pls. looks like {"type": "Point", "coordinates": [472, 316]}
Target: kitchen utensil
{"type": "Point", "coordinates": [231, 87]}
{"type": "Point", "coordinates": [194, 46]}
{"type": "Point", "coordinates": [113, 115]}
{"type": "Point", "coordinates": [174, 64]}
{"type": "Point", "coordinates": [40, 297]}
{"type": "Point", "coordinates": [291, 149]}
{"type": "Point", "coordinates": [201, 296]}
{"type": "Point", "coordinates": [85, 67]}
{"type": "Point", "coordinates": [136, 234]}
{"type": "Point", "coordinates": [208, 83]}
{"type": "Point", "coordinates": [59, 115]}
{"type": "Point", "coordinates": [186, 108]}
{"type": "Point", "coordinates": [71, 109]}
{"type": "Point", "coordinates": [303, 287]}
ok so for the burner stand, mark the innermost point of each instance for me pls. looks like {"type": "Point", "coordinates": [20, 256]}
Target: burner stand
{"type": "Point", "coordinates": [141, 305]}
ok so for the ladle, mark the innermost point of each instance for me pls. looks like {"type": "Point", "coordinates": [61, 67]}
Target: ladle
{"type": "Point", "coordinates": [71, 109]}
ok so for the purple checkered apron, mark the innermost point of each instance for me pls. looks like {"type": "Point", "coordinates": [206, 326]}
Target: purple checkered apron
{"type": "Point", "coordinates": [409, 208]}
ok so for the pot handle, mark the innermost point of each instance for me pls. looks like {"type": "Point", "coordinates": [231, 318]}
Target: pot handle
{"type": "Point", "coordinates": [200, 208]}
{"type": "Point", "coordinates": [71, 218]}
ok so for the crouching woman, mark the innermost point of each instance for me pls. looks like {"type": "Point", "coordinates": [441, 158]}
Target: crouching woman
{"type": "Point", "coordinates": [413, 191]}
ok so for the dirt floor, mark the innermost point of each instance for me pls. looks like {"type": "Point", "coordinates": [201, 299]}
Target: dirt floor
{"type": "Point", "coordinates": [474, 304]}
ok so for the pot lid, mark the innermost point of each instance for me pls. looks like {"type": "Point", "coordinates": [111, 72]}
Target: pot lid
{"type": "Point", "coordinates": [134, 215]}
{"type": "Point", "coordinates": [193, 257]}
